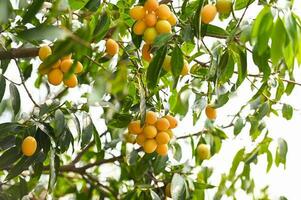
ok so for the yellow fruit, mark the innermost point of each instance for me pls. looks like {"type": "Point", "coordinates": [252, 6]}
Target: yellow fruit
{"type": "Point", "coordinates": [55, 77]}
{"type": "Point", "coordinates": [79, 67]}
{"type": "Point", "coordinates": [111, 47]}
{"type": "Point", "coordinates": [134, 127]}
{"type": "Point", "coordinates": [146, 53]}
{"type": "Point", "coordinates": [130, 138]}
{"type": "Point", "coordinates": [170, 133]}
{"type": "Point", "coordinates": [29, 146]}
{"type": "Point", "coordinates": [43, 69]}
{"type": "Point", "coordinates": [149, 35]}
{"type": "Point", "coordinates": [185, 69]}
{"type": "Point", "coordinates": [172, 121]}
{"type": "Point", "coordinates": [162, 138]}
{"type": "Point", "coordinates": [167, 190]}
{"type": "Point", "coordinates": [56, 64]}
{"type": "Point", "coordinates": [140, 139]}
{"type": "Point", "coordinates": [203, 151]}
{"type": "Point", "coordinates": [163, 12]}
{"type": "Point", "coordinates": [150, 131]}
{"type": "Point", "coordinates": [150, 146]}
{"type": "Point", "coordinates": [162, 124]}
{"type": "Point", "coordinates": [150, 117]}
{"type": "Point", "coordinates": [163, 26]}
{"type": "Point", "coordinates": [172, 19]}
{"type": "Point", "coordinates": [137, 12]}
{"type": "Point", "coordinates": [151, 5]}
{"type": "Point", "coordinates": [71, 82]}
{"type": "Point", "coordinates": [139, 27]}
{"type": "Point", "coordinates": [210, 112]}
{"type": "Point", "coordinates": [224, 6]}
{"type": "Point", "coordinates": [66, 65]}
{"type": "Point", "coordinates": [208, 13]}
{"type": "Point", "coordinates": [162, 149]}
{"type": "Point", "coordinates": [69, 56]}
{"type": "Point", "coordinates": [150, 19]}
{"type": "Point", "coordinates": [166, 63]}
{"type": "Point", "coordinates": [44, 52]}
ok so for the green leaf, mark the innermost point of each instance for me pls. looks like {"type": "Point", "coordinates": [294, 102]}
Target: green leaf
{"type": "Point", "coordinates": [102, 27]}
{"type": "Point", "coordinates": [241, 4]}
{"type": "Point", "coordinates": [32, 10]}
{"type": "Point", "coordinates": [242, 67]}
{"type": "Point", "coordinates": [154, 195]}
{"type": "Point", "coordinates": [257, 23]}
{"type": "Point", "coordinates": [236, 160]}
{"type": "Point", "coordinates": [159, 164]}
{"type": "Point", "coordinates": [120, 120]}
{"type": "Point", "coordinates": [178, 188]}
{"type": "Point", "coordinates": [22, 165]}
{"type": "Point", "coordinates": [278, 41]}
{"type": "Point", "coordinates": [177, 152]}
{"type": "Point", "coordinates": [263, 110]}
{"type": "Point", "coordinates": [221, 100]}
{"type": "Point", "coordinates": [213, 31]}
{"type": "Point", "coordinates": [5, 11]}
{"type": "Point", "coordinates": [10, 129]}
{"type": "Point", "coordinates": [15, 96]}
{"type": "Point", "coordinates": [2, 87]}
{"type": "Point", "coordinates": [9, 157]}
{"type": "Point", "coordinates": [93, 5]}
{"type": "Point", "coordinates": [287, 111]}
{"type": "Point", "coordinates": [87, 131]}
{"type": "Point", "coordinates": [52, 169]}
{"type": "Point", "coordinates": [203, 186]}
{"type": "Point", "coordinates": [197, 20]}
{"type": "Point", "coordinates": [161, 40]}
{"type": "Point", "coordinates": [238, 125]}
{"type": "Point", "coordinates": [177, 61]}
{"type": "Point", "coordinates": [77, 4]}
{"type": "Point", "coordinates": [269, 160]}
{"type": "Point", "coordinates": [281, 152]}
{"type": "Point", "coordinates": [280, 90]}
{"type": "Point", "coordinates": [43, 32]}
{"type": "Point", "coordinates": [155, 67]}
{"type": "Point", "coordinates": [59, 126]}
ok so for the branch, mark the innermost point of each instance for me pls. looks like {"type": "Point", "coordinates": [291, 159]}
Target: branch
{"type": "Point", "coordinates": [19, 53]}
{"type": "Point", "coordinates": [191, 135]}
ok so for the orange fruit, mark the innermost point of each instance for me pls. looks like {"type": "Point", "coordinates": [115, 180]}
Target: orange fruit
{"type": "Point", "coordinates": [172, 121]}
{"type": "Point", "coordinates": [71, 82]}
{"type": "Point", "coordinates": [170, 133]}
{"type": "Point", "coordinates": [55, 77]}
{"type": "Point", "coordinates": [79, 67]}
{"type": "Point", "coordinates": [208, 13]}
{"type": "Point", "coordinates": [130, 138]}
{"type": "Point", "coordinates": [56, 64]}
{"type": "Point", "coordinates": [69, 56]}
{"type": "Point", "coordinates": [66, 65]}
{"type": "Point", "coordinates": [203, 151]}
{"type": "Point", "coordinates": [140, 139]}
{"type": "Point", "coordinates": [151, 5]}
{"type": "Point", "coordinates": [29, 146]}
{"type": "Point", "coordinates": [166, 63]}
{"type": "Point", "coordinates": [150, 146]}
{"type": "Point", "coordinates": [163, 12]}
{"type": "Point", "coordinates": [150, 131]}
{"type": "Point", "coordinates": [149, 35]}
{"type": "Point", "coordinates": [167, 190]}
{"type": "Point", "coordinates": [139, 27]}
{"type": "Point", "coordinates": [150, 117]}
{"type": "Point", "coordinates": [185, 69]}
{"type": "Point", "coordinates": [163, 26]}
{"type": "Point", "coordinates": [43, 69]}
{"type": "Point", "coordinates": [162, 124]}
{"type": "Point", "coordinates": [172, 19]}
{"type": "Point", "coordinates": [162, 138]}
{"type": "Point", "coordinates": [44, 52]}
{"type": "Point", "coordinates": [137, 12]}
{"type": "Point", "coordinates": [134, 127]}
{"type": "Point", "coordinates": [146, 54]}
{"type": "Point", "coordinates": [162, 149]}
{"type": "Point", "coordinates": [150, 19]}
{"type": "Point", "coordinates": [112, 47]}
{"type": "Point", "coordinates": [210, 112]}
{"type": "Point", "coordinates": [224, 6]}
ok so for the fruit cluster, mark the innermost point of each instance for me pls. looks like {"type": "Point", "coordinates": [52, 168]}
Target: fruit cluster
{"type": "Point", "coordinates": [155, 134]}
{"type": "Point", "coordinates": [209, 11]}
{"type": "Point", "coordinates": [57, 73]}
{"type": "Point", "coordinates": [152, 19]}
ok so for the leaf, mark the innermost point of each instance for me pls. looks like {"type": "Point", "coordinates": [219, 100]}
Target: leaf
{"type": "Point", "coordinates": [213, 31]}
{"type": "Point", "coordinates": [10, 128]}
{"type": "Point", "coordinates": [236, 160]}
{"type": "Point", "coordinates": [281, 152]}
{"type": "Point", "coordinates": [177, 152]}
{"type": "Point", "coordinates": [178, 188]}
{"type": "Point", "coordinates": [102, 27]}
{"type": "Point", "coordinates": [221, 100]}
{"type": "Point", "coordinates": [32, 10]}
{"type": "Point", "coordinates": [120, 120]}
{"type": "Point", "coordinates": [269, 160]}
{"type": "Point", "coordinates": [155, 67]}
{"type": "Point", "coordinates": [240, 4]}
{"type": "Point", "coordinates": [15, 96]}
{"type": "Point", "coordinates": [2, 87]}
{"type": "Point", "coordinates": [278, 41]}
{"type": "Point", "coordinates": [59, 120]}
{"type": "Point", "coordinates": [9, 157]}
{"type": "Point", "coordinates": [238, 125]}
{"type": "Point", "coordinates": [22, 165]}
{"type": "Point", "coordinates": [257, 23]}
{"type": "Point", "coordinates": [52, 170]}
{"type": "Point", "coordinates": [197, 19]}
{"type": "Point", "coordinates": [263, 110]}
{"type": "Point", "coordinates": [93, 5]}
{"type": "Point", "coordinates": [77, 4]}
{"type": "Point", "coordinates": [160, 164]}
{"type": "Point", "coordinates": [287, 111]}
{"type": "Point", "coordinates": [203, 186]}
{"type": "Point", "coordinates": [5, 11]}
{"type": "Point", "coordinates": [154, 195]}
{"type": "Point", "coordinates": [87, 131]}
{"type": "Point", "coordinates": [177, 61]}
{"type": "Point", "coordinates": [137, 39]}
{"type": "Point", "coordinates": [226, 70]}
{"type": "Point", "coordinates": [161, 40]}
{"type": "Point", "coordinates": [242, 67]}
{"type": "Point", "coordinates": [43, 32]}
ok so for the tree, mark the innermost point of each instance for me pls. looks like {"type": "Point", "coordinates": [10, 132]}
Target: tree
{"type": "Point", "coordinates": [189, 66]}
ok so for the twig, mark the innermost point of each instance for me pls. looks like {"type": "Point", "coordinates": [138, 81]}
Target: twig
{"type": "Point", "coordinates": [19, 53]}
{"type": "Point", "coordinates": [192, 135]}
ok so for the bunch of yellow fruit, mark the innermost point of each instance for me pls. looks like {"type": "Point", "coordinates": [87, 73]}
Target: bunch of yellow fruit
{"type": "Point", "coordinates": [155, 134]}
{"type": "Point", "coordinates": [152, 19]}
{"type": "Point", "coordinates": [57, 72]}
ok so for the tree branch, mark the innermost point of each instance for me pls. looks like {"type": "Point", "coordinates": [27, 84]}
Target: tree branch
{"type": "Point", "coordinates": [19, 53]}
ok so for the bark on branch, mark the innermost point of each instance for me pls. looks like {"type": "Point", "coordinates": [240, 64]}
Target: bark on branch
{"type": "Point", "coordinates": [19, 53]}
